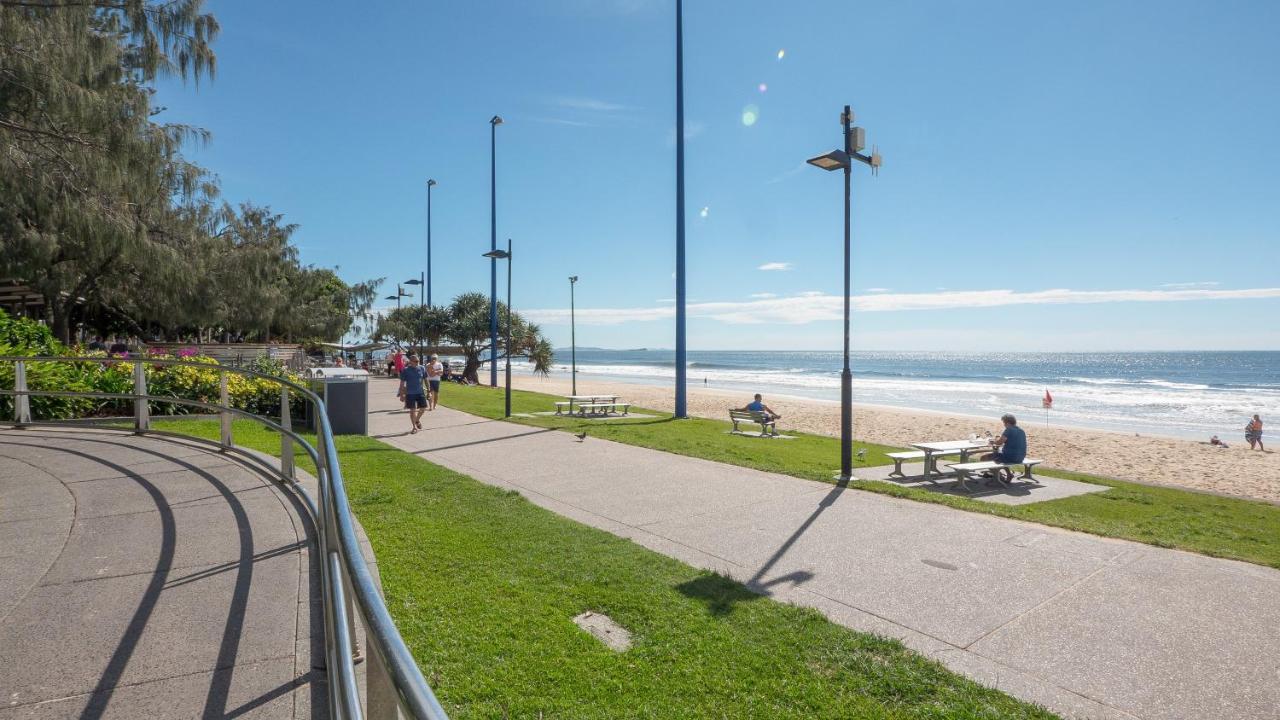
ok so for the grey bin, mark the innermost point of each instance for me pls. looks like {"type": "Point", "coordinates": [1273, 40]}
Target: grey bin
{"type": "Point", "coordinates": [345, 392]}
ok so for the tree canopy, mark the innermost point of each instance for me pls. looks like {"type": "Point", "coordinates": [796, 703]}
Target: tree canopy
{"type": "Point", "coordinates": [466, 323]}
{"type": "Point", "coordinates": [100, 212]}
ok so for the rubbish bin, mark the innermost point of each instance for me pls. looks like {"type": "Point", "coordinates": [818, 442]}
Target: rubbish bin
{"type": "Point", "coordinates": [345, 392]}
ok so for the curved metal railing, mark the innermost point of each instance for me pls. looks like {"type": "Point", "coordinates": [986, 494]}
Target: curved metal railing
{"type": "Point", "coordinates": [395, 686]}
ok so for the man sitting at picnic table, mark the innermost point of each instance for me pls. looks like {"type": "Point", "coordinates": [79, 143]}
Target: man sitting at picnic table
{"type": "Point", "coordinates": [1011, 446]}
{"type": "Point", "coordinates": [758, 405]}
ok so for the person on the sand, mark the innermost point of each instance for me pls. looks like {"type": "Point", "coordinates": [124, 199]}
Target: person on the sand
{"type": "Point", "coordinates": [1011, 446]}
{"type": "Point", "coordinates": [758, 405]}
{"type": "Point", "coordinates": [1253, 434]}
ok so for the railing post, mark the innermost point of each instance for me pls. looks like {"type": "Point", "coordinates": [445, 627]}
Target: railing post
{"type": "Point", "coordinates": [224, 417]}
{"type": "Point", "coordinates": [379, 691]}
{"type": "Point", "coordinates": [21, 403]}
{"type": "Point", "coordinates": [286, 442]}
{"type": "Point", "coordinates": [141, 411]}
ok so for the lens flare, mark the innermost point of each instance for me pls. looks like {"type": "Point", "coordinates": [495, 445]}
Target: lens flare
{"type": "Point", "coordinates": [782, 54]}
{"type": "Point", "coordinates": [703, 212]}
{"type": "Point", "coordinates": [750, 114]}
{"type": "Point", "coordinates": [762, 88]}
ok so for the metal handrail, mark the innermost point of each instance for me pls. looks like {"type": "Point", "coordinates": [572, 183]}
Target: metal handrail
{"type": "Point", "coordinates": [345, 576]}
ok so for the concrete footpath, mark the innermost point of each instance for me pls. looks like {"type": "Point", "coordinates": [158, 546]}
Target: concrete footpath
{"type": "Point", "coordinates": [1086, 626]}
{"type": "Point", "coordinates": [148, 578]}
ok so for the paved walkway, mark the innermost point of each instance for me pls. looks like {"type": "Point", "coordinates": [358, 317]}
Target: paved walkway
{"type": "Point", "coordinates": [1089, 627]}
{"type": "Point", "coordinates": [142, 578]}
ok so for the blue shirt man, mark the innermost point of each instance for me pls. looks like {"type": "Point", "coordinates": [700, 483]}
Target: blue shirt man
{"type": "Point", "coordinates": [1013, 442]}
{"type": "Point", "coordinates": [415, 400]}
{"type": "Point", "coordinates": [758, 405]}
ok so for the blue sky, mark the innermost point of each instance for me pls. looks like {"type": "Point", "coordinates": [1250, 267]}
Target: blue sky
{"type": "Point", "coordinates": [1083, 176]}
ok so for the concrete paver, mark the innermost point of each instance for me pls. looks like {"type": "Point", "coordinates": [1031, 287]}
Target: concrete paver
{"type": "Point", "coordinates": [149, 578]}
{"type": "Point", "coordinates": [1089, 627]}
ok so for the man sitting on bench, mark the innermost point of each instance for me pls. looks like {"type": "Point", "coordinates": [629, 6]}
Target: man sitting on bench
{"type": "Point", "coordinates": [1011, 446]}
{"type": "Point", "coordinates": [758, 405]}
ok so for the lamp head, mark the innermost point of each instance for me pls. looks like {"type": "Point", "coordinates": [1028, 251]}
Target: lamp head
{"type": "Point", "coordinates": [834, 160]}
{"type": "Point", "coordinates": [432, 183]}
{"type": "Point", "coordinates": [413, 281]}
{"type": "Point", "coordinates": [497, 254]}
{"type": "Point", "coordinates": [496, 120]}
{"type": "Point", "coordinates": [573, 278]}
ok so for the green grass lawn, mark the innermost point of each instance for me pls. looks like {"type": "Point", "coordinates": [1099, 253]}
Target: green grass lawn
{"type": "Point", "coordinates": [1223, 527]}
{"type": "Point", "coordinates": [483, 585]}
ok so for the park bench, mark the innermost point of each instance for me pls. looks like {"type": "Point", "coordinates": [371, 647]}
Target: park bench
{"type": "Point", "coordinates": [901, 457]}
{"type": "Point", "coordinates": [768, 426]}
{"type": "Point", "coordinates": [971, 471]}
{"type": "Point", "coordinates": [603, 408]}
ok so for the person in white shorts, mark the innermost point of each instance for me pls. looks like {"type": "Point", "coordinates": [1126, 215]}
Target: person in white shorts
{"type": "Point", "coordinates": [435, 370]}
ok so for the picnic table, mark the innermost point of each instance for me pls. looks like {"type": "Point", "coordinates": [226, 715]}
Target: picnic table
{"type": "Point", "coordinates": [933, 450]}
{"type": "Point", "coordinates": [584, 400]}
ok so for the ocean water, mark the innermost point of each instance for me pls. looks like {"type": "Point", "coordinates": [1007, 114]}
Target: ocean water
{"type": "Point", "coordinates": [1185, 394]}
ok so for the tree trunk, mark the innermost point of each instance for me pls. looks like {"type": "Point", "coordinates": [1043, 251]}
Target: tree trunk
{"type": "Point", "coordinates": [471, 372]}
{"type": "Point", "coordinates": [61, 313]}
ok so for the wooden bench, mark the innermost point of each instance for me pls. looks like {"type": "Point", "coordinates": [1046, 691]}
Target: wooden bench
{"type": "Point", "coordinates": [564, 406]}
{"type": "Point", "coordinates": [901, 457]}
{"type": "Point", "coordinates": [970, 471]}
{"type": "Point", "coordinates": [602, 409]}
{"type": "Point", "coordinates": [768, 426]}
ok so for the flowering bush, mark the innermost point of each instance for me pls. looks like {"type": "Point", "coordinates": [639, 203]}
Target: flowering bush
{"type": "Point", "coordinates": [260, 396]}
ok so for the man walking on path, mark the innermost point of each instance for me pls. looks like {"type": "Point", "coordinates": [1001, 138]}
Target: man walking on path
{"type": "Point", "coordinates": [411, 392]}
{"type": "Point", "coordinates": [435, 370]}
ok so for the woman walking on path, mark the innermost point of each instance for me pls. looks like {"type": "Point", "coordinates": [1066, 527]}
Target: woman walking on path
{"type": "Point", "coordinates": [1253, 433]}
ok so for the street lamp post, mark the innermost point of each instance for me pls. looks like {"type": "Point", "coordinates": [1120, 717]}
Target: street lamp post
{"type": "Point", "coordinates": [843, 160]}
{"type": "Point", "coordinates": [494, 256]}
{"type": "Point", "coordinates": [681, 369]}
{"type": "Point", "coordinates": [494, 122]}
{"type": "Point", "coordinates": [430, 184]}
{"type": "Point", "coordinates": [573, 339]}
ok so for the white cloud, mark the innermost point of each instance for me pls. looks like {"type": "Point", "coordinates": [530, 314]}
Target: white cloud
{"type": "Point", "coordinates": [786, 175]}
{"type": "Point", "coordinates": [1190, 285]}
{"type": "Point", "coordinates": [763, 296]}
{"type": "Point", "coordinates": [878, 290]}
{"type": "Point", "coordinates": [775, 266]}
{"type": "Point", "coordinates": [562, 121]}
{"type": "Point", "coordinates": [591, 104]}
{"type": "Point", "coordinates": [814, 306]}
{"type": "Point", "coordinates": [810, 294]}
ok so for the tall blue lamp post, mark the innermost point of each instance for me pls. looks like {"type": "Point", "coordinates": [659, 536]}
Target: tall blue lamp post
{"type": "Point", "coordinates": [430, 184]}
{"type": "Point", "coordinates": [843, 160]}
{"type": "Point", "coordinates": [681, 369]}
{"type": "Point", "coordinates": [494, 256]}
{"type": "Point", "coordinates": [494, 122]}
{"type": "Point", "coordinates": [573, 339]}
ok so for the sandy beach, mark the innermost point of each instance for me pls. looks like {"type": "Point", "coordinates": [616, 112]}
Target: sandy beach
{"type": "Point", "coordinates": [1142, 458]}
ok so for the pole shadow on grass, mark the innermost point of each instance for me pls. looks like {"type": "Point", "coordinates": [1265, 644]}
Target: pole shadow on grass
{"type": "Point", "coordinates": [721, 593]}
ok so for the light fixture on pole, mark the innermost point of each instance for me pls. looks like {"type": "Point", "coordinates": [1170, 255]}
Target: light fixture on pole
{"type": "Point", "coordinates": [420, 281]}
{"type": "Point", "coordinates": [430, 184]}
{"type": "Point", "coordinates": [494, 256]}
{"type": "Point", "coordinates": [842, 159]}
{"type": "Point", "coordinates": [400, 293]}
{"type": "Point", "coordinates": [573, 339]}
{"type": "Point", "coordinates": [681, 369]}
{"type": "Point", "coordinates": [494, 122]}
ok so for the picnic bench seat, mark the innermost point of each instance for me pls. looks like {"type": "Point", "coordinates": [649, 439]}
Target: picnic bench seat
{"type": "Point", "coordinates": [970, 471]}
{"type": "Point", "coordinates": [901, 457]}
{"type": "Point", "coordinates": [603, 408]}
{"type": "Point", "coordinates": [768, 426]}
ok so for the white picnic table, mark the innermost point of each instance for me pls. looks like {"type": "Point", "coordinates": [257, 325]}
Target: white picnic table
{"type": "Point", "coordinates": [586, 400]}
{"type": "Point", "coordinates": [932, 450]}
